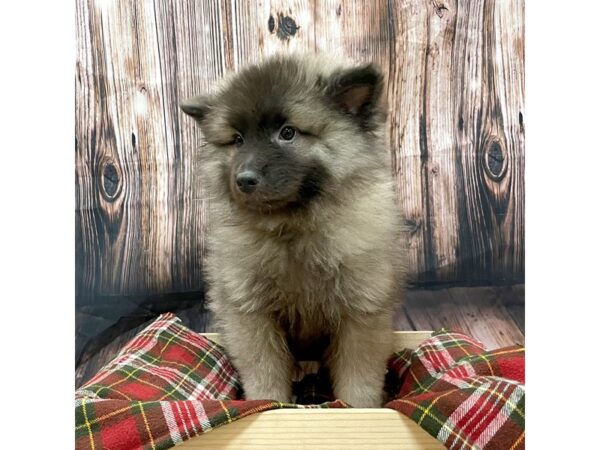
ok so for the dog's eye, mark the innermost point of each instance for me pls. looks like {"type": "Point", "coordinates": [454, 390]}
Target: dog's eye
{"type": "Point", "coordinates": [287, 133]}
{"type": "Point", "coordinates": [238, 140]}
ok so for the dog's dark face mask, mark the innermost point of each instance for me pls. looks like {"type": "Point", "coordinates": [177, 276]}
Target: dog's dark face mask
{"type": "Point", "coordinates": [268, 171]}
{"type": "Point", "coordinates": [284, 137]}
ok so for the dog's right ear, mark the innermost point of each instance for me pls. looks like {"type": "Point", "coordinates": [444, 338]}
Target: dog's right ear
{"type": "Point", "coordinates": [196, 107]}
{"type": "Point", "coordinates": [356, 91]}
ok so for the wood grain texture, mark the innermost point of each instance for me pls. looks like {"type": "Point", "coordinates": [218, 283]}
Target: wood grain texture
{"type": "Point", "coordinates": [455, 128]}
{"type": "Point", "coordinates": [329, 429]}
{"type": "Point", "coordinates": [491, 314]}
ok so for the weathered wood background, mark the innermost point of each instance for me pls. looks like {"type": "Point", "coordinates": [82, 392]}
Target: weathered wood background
{"type": "Point", "coordinates": [455, 98]}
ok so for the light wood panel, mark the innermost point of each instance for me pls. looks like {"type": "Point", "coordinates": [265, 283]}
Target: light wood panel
{"type": "Point", "coordinates": [331, 429]}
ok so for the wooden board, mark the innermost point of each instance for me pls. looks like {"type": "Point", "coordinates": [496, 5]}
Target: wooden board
{"type": "Point", "coordinates": [455, 101]}
{"type": "Point", "coordinates": [328, 429]}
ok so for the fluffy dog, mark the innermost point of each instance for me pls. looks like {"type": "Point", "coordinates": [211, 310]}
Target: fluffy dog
{"type": "Point", "coordinates": [305, 244]}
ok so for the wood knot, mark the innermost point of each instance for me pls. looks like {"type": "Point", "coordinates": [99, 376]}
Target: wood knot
{"type": "Point", "coordinates": [271, 24]}
{"type": "Point", "coordinates": [412, 226]}
{"type": "Point", "coordinates": [110, 180]}
{"type": "Point", "coordinates": [494, 160]}
{"type": "Point", "coordinates": [521, 126]}
{"type": "Point", "coordinates": [286, 26]}
{"type": "Point", "coordinates": [440, 10]}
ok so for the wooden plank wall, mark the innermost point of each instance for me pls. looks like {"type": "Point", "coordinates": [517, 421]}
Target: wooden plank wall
{"type": "Point", "coordinates": [454, 94]}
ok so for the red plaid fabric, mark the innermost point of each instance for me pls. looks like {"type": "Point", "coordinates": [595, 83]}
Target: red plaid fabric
{"type": "Point", "coordinates": [463, 395]}
{"type": "Point", "coordinates": [166, 385]}
{"type": "Point", "coordinates": [170, 384]}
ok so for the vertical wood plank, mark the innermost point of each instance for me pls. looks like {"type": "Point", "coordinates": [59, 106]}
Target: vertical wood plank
{"type": "Point", "coordinates": [140, 212]}
{"type": "Point", "coordinates": [106, 176]}
{"type": "Point", "coordinates": [509, 57]}
{"type": "Point", "coordinates": [438, 143]}
{"type": "Point", "coordinates": [406, 91]}
{"type": "Point", "coordinates": [360, 30]}
{"type": "Point", "coordinates": [490, 156]}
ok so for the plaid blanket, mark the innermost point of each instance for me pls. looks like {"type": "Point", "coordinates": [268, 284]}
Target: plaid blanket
{"type": "Point", "coordinates": [169, 384]}
{"type": "Point", "coordinates": [461, 394]}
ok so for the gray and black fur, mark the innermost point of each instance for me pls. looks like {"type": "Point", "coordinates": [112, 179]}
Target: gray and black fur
{"type": "Point", "coordinates": [305, 242]}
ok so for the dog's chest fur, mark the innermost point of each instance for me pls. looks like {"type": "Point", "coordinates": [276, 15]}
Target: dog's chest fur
{"type": "Point", "coordinates": [285, 273]}
{"type": "Point", "coordinates": [309, 280]}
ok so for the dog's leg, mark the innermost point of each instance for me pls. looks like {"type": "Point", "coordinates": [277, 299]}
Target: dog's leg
{"type": "Point", "coordinates": [258, 348]}
{"type": "Point", "coordinates": [358, 359]}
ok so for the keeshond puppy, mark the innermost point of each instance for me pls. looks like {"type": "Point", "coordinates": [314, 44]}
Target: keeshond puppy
{"type": "Point", "coordinates": [305, 247]}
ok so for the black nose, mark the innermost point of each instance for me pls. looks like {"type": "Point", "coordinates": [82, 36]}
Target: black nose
{"type": "Point", "coordinates": [247, 181]}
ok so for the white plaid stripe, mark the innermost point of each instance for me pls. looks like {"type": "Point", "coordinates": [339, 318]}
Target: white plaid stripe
{"type": "Point", "coordinates": [433, 349]}
{"type": "Point", "coordinates": [184, 425]}
{"type": "Point", "coordinates": [87, 401]}
{"type": "Point", "coordinates": [160, 324]}
{"type": "Point", "coordinates": [213, 386]}
{"type": "Point", "coordinates": [175, 380]}
{"type": "Point", "coordinates": [188, 387]}
{"type": "Point", "coordinates": [191, 416]}
{"type": "Point", "coordinates": [146, 343]}
{"type": "Point", "coordinates": [202, 417]}
{"type": "Point", "coordinates": [85, 393]}
{"type": "Point", "coordinates": [507, 409]}
{"type": "Point", "coordinates": [459, 414]}
{"type": "Point", "coordinates": [171, 423]}
{"type": "Point", "coordinates": [460, 383]}
{"type": "Point", "coordinates": [488, 406]}
{"type": "Point", "coordinates": [485, 386]}
{"type": "Point", "coordinates": [213, 383]}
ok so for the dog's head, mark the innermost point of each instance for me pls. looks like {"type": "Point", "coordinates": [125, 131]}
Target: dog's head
{"type": "Point", "coordinates": [289, 130]}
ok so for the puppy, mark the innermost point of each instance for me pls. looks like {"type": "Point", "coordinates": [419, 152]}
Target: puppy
{"type": "Point", "coordinates": [305, 244]}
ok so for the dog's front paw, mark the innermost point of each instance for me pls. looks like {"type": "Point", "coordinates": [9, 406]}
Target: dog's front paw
{"type": "Point", "coordinates": [280, 395]}
{"type": "Point", "coordinates": [361, 397]}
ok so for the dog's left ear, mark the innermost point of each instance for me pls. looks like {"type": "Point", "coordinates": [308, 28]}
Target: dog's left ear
{"type": "Point", "coordinates": [357, 90]}
{"type": "Point", "coordinates": [196, 107]}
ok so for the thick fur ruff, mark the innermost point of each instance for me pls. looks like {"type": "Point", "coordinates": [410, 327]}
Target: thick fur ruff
{"type": "Point", "coordinates": [314, 258]}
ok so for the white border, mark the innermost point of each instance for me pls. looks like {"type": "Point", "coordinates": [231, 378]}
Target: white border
{"type": "Point", "coordinates": [561, 216]}
{"type": "Point", "coordinates": [37, 247]}
{"type": "Point", "coordinates": [37, 81]}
